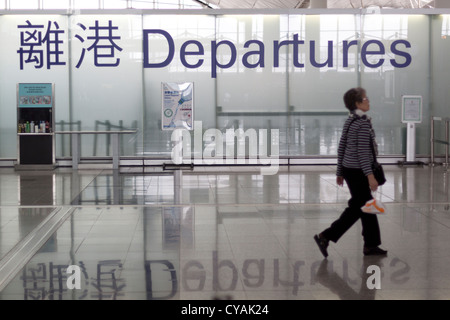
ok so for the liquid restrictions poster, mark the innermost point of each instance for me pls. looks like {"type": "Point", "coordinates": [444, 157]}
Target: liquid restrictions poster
{"type": "Point", "coordinates": [177, 105]}
{"type": "Point", "coordinates": [35, 95]}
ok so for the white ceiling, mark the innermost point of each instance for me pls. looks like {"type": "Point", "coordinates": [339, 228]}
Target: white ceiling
{"type": "Point", "coordinates": [292, 4]}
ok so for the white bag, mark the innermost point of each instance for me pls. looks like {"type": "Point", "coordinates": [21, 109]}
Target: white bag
{"type": "Point", "coordinates": [374, 206]}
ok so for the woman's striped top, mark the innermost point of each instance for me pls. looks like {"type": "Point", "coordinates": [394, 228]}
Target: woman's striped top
{"type": "Point", "coordinates": [355, 146]}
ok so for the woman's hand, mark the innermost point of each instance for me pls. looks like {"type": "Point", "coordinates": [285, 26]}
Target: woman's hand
{"type": "Point", "coordinates": [373, 183]}
{"type": "Point", "coordinates": [340, 181]}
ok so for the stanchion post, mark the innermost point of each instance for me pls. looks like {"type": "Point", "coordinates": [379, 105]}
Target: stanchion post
{"type": "Point", "coordinates": [447, 139]}
{"type": "Point", "coordinates": [432, 141]}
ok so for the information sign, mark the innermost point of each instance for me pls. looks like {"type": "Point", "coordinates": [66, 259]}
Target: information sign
{"type": "Point", "coordinates": [411, 109]}
{"type": "Point", "coordinates": [177, 106]}
{"type": "Point", "coordinates": [35, 95]}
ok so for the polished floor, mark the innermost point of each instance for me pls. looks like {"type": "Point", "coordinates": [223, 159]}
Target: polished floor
{"type": "Point", "coordinates": [217, 233]}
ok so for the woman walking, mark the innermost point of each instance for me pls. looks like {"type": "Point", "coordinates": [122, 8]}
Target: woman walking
{"type": "Point", "coordinates": [355, 158]}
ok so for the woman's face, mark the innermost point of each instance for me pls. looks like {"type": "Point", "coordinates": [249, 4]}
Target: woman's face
{"type": "Point", "coordinates": [364, 105]}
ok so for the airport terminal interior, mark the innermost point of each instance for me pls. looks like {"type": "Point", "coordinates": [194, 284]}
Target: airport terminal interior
{"type": "Point", "coordinates": [97, 202]}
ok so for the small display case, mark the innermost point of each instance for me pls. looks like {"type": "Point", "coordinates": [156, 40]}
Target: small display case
{"type": "Point", "coordinates": [35, 125]}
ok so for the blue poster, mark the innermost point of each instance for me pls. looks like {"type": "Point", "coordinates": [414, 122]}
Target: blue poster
{"type": "Point", "coordinates": [35, 95]}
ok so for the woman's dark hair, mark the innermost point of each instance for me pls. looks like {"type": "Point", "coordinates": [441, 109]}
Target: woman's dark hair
{"type": "Point", "coordinates": [352, 96]}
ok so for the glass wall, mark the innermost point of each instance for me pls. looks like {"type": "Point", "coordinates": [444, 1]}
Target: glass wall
{"type": "Point", "coordinates": [30, 32]}
{"type": "Point", "coordinates": [439, 43]}
{"type": "Point", "coordinates": [106, 80]}
{"type": "Point", "coordinates": [388, 83]}
{"type": "Point", "coordinates": [181, 28]}
{"type": "Point", "coordinates": [273, 71]}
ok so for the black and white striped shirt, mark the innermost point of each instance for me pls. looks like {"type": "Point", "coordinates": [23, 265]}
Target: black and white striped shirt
{"type": "Point", "coordinates": [355, 146]}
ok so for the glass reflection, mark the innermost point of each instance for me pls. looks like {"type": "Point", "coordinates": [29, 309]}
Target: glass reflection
{"type": "Point", "coordinates": [17, 223]}
{"type": "Point", "coordinates": [174, 254]}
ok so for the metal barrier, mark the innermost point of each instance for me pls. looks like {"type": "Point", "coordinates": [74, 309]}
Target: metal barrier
{"type": "Point", "coordinates": [63, 126]}
{"type": "Point", "coordinates": [108, 126]}
{"type": "Point", "coordinates": [76, 144]}
{"type": "Point", "coordinates": [433, 140]}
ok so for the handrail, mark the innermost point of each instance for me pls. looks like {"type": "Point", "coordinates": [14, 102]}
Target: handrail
{"type": "Point", "coordinates": [446, 142]}
{"type": "Point", "coordinates": [95, 131]}
{"type": "Point", "coordinates": [76, 144]}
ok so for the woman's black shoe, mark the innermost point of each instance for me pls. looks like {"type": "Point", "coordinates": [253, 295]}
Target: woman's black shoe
{"type": "Point", "coordinates": [374, 251]}
{"type": "Point", "coordinates": [322, 243]}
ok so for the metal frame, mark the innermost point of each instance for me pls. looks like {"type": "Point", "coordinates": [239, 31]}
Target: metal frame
{"type": "Point", "coordinates": [446, 142]}
{"type": "Point", "coordinates": [333, 11]}
{"type": "Point", "coordinates": [76, 144]}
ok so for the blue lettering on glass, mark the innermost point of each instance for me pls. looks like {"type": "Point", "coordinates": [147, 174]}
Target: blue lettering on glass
{"type": "Point", "coordinates": [40, 46]}
{"type": "Point", "coordinates": [276, 51]}
{"type": "Point", "coordinates": [83, 51]}
{"type": "Point", "coordinates": [370, 48]}
{"type": "Point", "coordinates": [328, 63]}
{"type": "Point", "coordinates": [102, 34]}
{"type": "Point", "coordinates": [403, 54]}
{"type": "Point", "coordinates": [365, 52]}
{"type": "Point", "coordinates": [214, 63]}
{"type": "Point", "coordinates": [346, 46]}
{"type": "Point", "coordinates": [171, 52]}
{"type": "Point", "coordinates": [260, 53]}
{"type": "Point", "coordinates": [32, 40]}
{"type": "Point", "coordinates": [43, 47]}
{"type": "Point", "coordinates": [111, 46]}
{"type": "Point", "coordinates": [183, 54]}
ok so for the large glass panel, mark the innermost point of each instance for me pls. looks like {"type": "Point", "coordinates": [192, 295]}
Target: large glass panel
{"type": "Point", "coordinates": [30, 61]}
{"type": "Point", "coordinates": [252, 78]}
{"type": "Point", "coordinates": [106, 78]}
{"type": "Point", "coordinates": [252, 37]}
{"type": "Point", "coordinates": [440, 84]}
{"type": "Point", "coordinates": [319, 74]}
{"type": "Point", "coordinates": [194, 33]}
{"type": "Point", "coordinates": [393, 70]}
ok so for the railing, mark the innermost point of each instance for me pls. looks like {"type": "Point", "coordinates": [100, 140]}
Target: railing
{"type": "Point", "coordinates": [66, 126]}
{"type": "Point", "coordinates": [108, 126]}
{"type": "Point", "coordinates": [76, 144]}
{"type": "Point", "coordinates": [445, 142]}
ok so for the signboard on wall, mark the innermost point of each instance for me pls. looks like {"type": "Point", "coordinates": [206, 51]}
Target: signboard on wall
{"type": "Point", "coordinates": [177, 105]}
{"type": "Point", "coordinates": [411, 109]}
{"type": "Point", "coordinates": [35, 95]}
